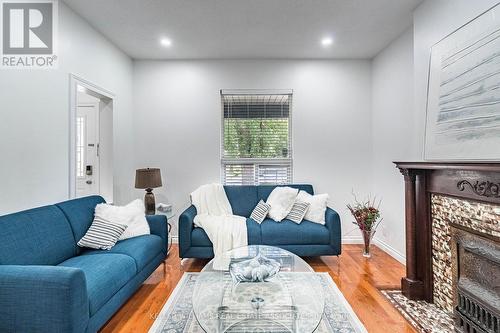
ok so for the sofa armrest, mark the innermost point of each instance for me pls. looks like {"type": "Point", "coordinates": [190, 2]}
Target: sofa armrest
{"type": "Point", "coordinates": [43, 299]}
{"type": "Point", "coordinates": [186, 225]}
{"type": "Point", "coordinates": [333, 224]}
{"type": "Point", "coordinates": [158, 225]}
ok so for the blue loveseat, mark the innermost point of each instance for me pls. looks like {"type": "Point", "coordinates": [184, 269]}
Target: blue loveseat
{"type": "Point", "coordinates": [49, 284]}
{"type": "Point", "coordinates": [304, 239]}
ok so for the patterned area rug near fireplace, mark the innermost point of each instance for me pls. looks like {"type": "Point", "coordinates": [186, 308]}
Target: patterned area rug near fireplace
{"type": "Point", "coordinates": [177, 314]}
{"type": "Point", "coordinates": [423, 316]}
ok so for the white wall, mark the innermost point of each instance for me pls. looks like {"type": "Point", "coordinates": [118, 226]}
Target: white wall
{"type": "Point", "coordinates": [34, 109]}
{"type": "Point", "coordinates": [393, 137]}
{"type": "Point", "coordinates": [434, 20]}
{"type": "Point", "coordinates": [177, 119]}
{"type": "Point", "coordinates": [177, 122]}
{"type": "Point", "coordinates": [399, 112]}
{"type": "Point", "coordinates": [399, 90]}
{"type": "Point", "coordinates": [343, 139]}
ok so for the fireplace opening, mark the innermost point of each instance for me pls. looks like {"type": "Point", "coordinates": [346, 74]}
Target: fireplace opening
{"type": "Point", "coordinates": [476, 280]}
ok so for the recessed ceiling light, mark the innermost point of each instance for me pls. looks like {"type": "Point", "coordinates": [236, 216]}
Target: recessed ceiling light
{"type": "Point", "coordinates": [327, 41]}
{"type": "Point", "coordinates": [165, 42]}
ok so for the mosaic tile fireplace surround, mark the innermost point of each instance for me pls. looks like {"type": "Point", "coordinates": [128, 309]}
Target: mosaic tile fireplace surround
{"type": "Point", "coordinates": [445, 211]}
{"type": "Point", "coordinates": [453, 240]}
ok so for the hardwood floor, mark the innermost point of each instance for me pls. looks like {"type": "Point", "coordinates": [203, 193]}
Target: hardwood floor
{"type": "Point", "coordinates": [358, 278]}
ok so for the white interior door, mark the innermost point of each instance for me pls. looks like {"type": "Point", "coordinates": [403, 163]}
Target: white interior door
{"type": "Point", "coordinates": [87, 150]}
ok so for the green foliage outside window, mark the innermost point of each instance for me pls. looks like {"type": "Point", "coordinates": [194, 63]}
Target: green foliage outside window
{"type": "Point", "coordinates": [256, 138]}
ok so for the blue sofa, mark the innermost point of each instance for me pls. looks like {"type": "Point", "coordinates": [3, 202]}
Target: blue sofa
{"type": "Point", "coordinates": [304, 239]}
{"type": "Point", "coordinates": [49, 284]}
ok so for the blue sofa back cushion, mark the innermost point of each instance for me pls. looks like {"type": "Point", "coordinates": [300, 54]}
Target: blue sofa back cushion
{"type": "Point", "coordinates": [243, 199]}
{"type": "Point", "coordinates": [143, 249]}
{"type": "Point", "coordinates": [80, 214]}
{"type": "Point", "coordinates": [39, 236]}
{"type": "Point", "coordinates": [265, 190]}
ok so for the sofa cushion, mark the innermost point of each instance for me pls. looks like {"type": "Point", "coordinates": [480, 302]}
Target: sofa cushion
{"type": "Point", "coordinates": [200, 238]}
{"type": "Point", "coordinates": [287, 232]}
{"type": "Point", "coordinates": [243, 199]}
{"type": "Point", "coordinates": [80, 213]}
{"type": "Point", "coordinates": [253, 232]}
{"type": "Point", "coordinates": [40, 236]}
{"type": "Point", "coordinates": [142, 249]}
{"type": "Point", "coordinates": [105, 274]}
{"type": "Point", "coordinates": [263, 191]}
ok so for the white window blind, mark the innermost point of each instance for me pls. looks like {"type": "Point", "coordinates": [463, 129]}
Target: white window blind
{"type": "Point", "coordinates": [256, 137]}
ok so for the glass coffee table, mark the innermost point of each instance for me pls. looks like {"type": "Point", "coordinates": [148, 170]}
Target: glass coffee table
{"type": "Point", "coordinates": [290, 302]}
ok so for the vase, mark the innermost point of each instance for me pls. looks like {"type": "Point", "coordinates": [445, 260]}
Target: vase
{"type": "Point", "coordinates": [367, 240]}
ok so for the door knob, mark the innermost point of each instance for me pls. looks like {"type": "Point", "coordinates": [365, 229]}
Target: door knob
{"type": "Point", "coordinates": [89, 182]}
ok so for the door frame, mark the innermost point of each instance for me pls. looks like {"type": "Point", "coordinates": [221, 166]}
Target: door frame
{"type": "Point", "coordinates": [74, 82]}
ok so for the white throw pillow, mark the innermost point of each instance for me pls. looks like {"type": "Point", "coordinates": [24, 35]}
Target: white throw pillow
{"type": "Point", "coordinates": [317, 208]}
{"type": "Point", "coordinates": [131, 215]}
{"type": "Point", "coordinates": [281, 201]}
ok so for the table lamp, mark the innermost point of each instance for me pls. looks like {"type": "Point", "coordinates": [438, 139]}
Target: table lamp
{"type": "Point", "coordinates": [148, 179]}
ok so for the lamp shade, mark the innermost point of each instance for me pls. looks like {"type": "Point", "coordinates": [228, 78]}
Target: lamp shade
{"type": "Point", "coordinates": [147, 178]}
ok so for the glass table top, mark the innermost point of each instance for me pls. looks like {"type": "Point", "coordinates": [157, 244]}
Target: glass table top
{"type": "Point", "coordinates": [291, 301]}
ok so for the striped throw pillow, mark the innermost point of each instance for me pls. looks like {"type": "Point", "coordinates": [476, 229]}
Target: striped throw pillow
{"type": "Point", "coordinates": [299, 210]}
{"type": "Point", "coordinates": [102, 234]}
{"type": "Point", "coordinates": [260, 212]}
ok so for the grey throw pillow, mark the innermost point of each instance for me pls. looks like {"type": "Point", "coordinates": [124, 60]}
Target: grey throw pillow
{"type": "Point", "coordinates": [299, 210]}
{"type": "Point", "coordinates": [102, 234]}
{"type": "Point", "coordinates": [260, 212]}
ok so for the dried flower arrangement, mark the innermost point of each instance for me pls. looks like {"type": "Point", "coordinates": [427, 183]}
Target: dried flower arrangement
{"type": "Point", "coordinates": [367, 216]}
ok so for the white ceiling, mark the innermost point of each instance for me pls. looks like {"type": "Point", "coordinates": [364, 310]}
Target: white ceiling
{"type": "Point", "coordinates": [203, 29]}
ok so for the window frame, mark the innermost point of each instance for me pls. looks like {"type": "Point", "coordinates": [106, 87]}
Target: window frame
{"type": "Point", "coordinates": [257, 161]}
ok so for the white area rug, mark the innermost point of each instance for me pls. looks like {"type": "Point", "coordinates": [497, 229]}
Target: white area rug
{"type": "Point", "coordinates": [177, 315]}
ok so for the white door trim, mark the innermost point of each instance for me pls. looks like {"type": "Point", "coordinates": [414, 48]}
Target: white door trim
{"type": "Point", "coordinates": [74, 82]}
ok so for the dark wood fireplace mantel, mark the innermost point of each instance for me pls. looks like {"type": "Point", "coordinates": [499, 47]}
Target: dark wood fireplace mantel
{"type": "Point", "coordinates": [471, 181]}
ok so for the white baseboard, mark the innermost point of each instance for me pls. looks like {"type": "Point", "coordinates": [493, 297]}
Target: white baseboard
{"type": "Point", "coordinates": [390, 250]}
{"type": "Point", "coordinates": [352, 240]}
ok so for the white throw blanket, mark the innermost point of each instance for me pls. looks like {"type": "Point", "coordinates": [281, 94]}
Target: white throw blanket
{"type": "Point", "coordinates": [215, 215]}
